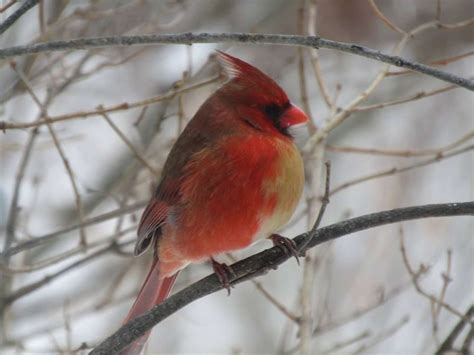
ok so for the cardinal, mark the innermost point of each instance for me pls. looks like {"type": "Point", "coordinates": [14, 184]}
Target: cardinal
{"type": "Point", "coordinates": [234, 176]}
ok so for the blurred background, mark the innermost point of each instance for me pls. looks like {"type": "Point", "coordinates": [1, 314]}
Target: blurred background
{"type": "Point", "coordinates": [71, 192]}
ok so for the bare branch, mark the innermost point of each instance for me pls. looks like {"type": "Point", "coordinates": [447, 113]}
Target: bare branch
{"type": "Point", "coordinates": [5, 7]}
{"type": "Point", "coordinates": [312, 14]}
{"type": "Point", "coordinates": [275, 39]}
{"type": "Point", "coordinates": [402, 153]}
{"type": "Point", "coordinates": [345, 343]}
{"type": "Point", "coordinates": [129, 144]}
{"type": "Point", "coordinates": [38, 241]}
{"type": "Point", "coordinates": [112, 247]}
{"type": "Point", "coordinates": [414, 275]}
{"type": "Point", "coordinates": [383, 298]}
{"type": "Point", "coordinates": [114, 108]}
{"type": "Point", "coordinates": [387, 172]}
{"type": "Point", "coordinates": [417, 96]}
{"type": "Point", "coordinates": [383, 335]}
{"type": "Point", "coordinates": [322, 209]}
{"type": "Point", "coordinates": [266, 261]}
{"type": "Point", "coordinates": [27, 5]}
{"type": "Point", "coordinates": [65, 255]}
{"type": "Point", "coordinates": [44, 113]}
{"type": "Point", "coordinates": [384, 19]}
{"type": "Point", "coordinates": [301, 19]}
{"type": "Point", "coordinates": [446, 276]}
{"type": "Point", "coordinates": [436, 62]}
{"type": "Point", "coordinates": [265, 293]}
{"type": "Point", "coordinates": [337, 119]}
{"type": "Point", "coordinates": [438, 10]}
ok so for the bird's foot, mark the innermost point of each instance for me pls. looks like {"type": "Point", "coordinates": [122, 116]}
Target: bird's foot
{"type": "Point", "coordinates": [223, 272]}
{"type": "Point", "coordinates": [287, 245]}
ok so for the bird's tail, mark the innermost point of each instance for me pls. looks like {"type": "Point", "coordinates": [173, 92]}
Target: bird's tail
{"type": "Point", "coordinates": [155, 289]}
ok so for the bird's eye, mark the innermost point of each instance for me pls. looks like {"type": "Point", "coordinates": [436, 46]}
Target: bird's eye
{"type": "Point", "coordinates": [273, 111]}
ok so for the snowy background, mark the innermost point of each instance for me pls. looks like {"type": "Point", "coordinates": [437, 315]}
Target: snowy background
{"type": "Point", "coordinates": [361, 294]}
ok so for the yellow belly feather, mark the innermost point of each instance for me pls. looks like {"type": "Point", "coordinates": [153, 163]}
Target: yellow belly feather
{"type": "Point", "coordinates": [287, 187]}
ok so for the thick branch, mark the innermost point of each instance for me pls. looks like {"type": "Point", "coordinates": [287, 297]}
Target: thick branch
{"type": "Point", "coordinates": [278, 39]}
{"type": "Point", "coordinates": [267, 260]}
{"type": "Point", "coordinates": [28, 4]}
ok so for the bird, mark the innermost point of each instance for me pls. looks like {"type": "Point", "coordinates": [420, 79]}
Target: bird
{"type": "Point", "coordinates": [234, 176]}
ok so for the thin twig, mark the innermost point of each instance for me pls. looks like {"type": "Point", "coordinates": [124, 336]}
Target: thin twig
{"type": "Point", "coordinates": [337, 119]}
{"type": "Point", "coordinates": [42, 240]}
{"type": "Point", "coordinates": [402, 153]}
{"type": "Point", "coordinates": [41, 18]}
{"type": "Point", "coordinates": [5, 7]}
{"type": "Point", "coordinates": [65, 255]}
{"type": "Point", "coordinates": [324, 203]}
{"type": "Point", "coordinates": [448, 26]}
{"type": "Point", "coordinates": [314, 54]}
{"type": "Point", "coordinates": [419, 95]}
{"type": "Point", "coordinates": [395, 170]}
{"type": "Point", "coordinates": [309, 269]}
{"type": "Point", "coordinates": [343, 114]}
{"type": "Point", "coordinates": [348, 342]}
{"type": "Point", "coordinates": [62, 154]}
{"type": "Point", "coordinates": [27, 289]}
{"type": "Point", "coordinates": [129, 144]}
{"type": "Point", "coordinates": [384, 19]}
{"type": "Point", "coordinates": [6, 281]}
{"type": "Point", "coordinates": [422, 292]}
{"type": "Point", "coordinates": [382, 336]}
{"type": "Point", "coordinates": [344, 320]}
{"type": "Point", "coordinates": [446, 276]}
{"type": "Point", "coordinates": [114, 108]}
{"type": "Point", "coordinates": [301, 66]}
{"type": "Point", "coordinates": [114, 285]}
{"type": "Point", "coordinates": [13, 211]}
{"type": "Point", "coordinates": [313, 168]}
{"type": "Point", "coordinates": [438, 10]}
{"type": "Point", "coordinates": [265, 293]}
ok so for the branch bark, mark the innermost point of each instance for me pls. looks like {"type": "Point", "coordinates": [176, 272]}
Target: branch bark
{"type": "Point", "coordinates": [267, 260]}
{"type": "Point", "coordinates": [27, 5]}
{"type": "Point", "coordinates": [276, 39]}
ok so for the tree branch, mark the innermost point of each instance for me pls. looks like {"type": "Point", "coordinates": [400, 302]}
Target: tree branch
{"type": "Point", "coordinates": [267, 260]}
{"type": "Point", "coordinates": [44, 239]}
{"type": "Point", "coordinates": [448, 343]}
{"type": "Point", "coordinates": [27, 5]}
{"type": "Point", "coordinates": [278, 39]}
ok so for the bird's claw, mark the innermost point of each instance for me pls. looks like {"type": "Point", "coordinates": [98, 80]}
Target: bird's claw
{"type": "Point", "coordinates": [223, 272]}
{"type": "Point", "coordinates": [287, 245]}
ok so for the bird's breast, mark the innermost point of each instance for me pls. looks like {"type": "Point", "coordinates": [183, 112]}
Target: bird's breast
{"type": "Point", "coordinates": [233, 192]}
{"type": "Point", "coordinates": [283, 188]}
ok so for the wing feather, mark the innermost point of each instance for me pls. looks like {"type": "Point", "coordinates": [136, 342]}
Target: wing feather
{"type": "Point", "coordinates": [152, 219]}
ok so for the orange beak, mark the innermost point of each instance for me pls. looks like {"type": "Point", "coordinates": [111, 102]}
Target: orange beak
{"type": "Point", "coordinates": [293, 116]}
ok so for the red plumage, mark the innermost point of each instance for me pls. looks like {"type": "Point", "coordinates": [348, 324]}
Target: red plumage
{"type": "Point", "coordinates": [232, 177]}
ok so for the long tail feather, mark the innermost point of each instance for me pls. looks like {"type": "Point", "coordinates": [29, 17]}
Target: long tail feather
{"type": "Point", "coordinates": [155, 290]}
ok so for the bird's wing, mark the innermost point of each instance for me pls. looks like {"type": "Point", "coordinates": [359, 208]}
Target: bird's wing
{"type": "Point", "coordinates": [167, 193]}
{"type": "Point", "coordinates": [217, 119]}
{"type": "Point", "coordinates": [152, 219]}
